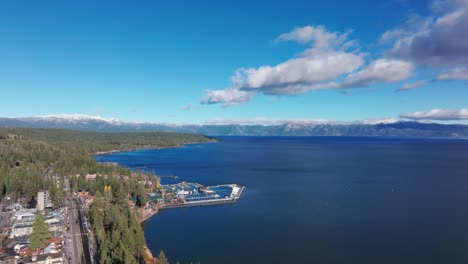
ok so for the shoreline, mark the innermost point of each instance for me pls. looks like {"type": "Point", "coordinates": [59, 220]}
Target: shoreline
{"type": "Point", "coordinates": [143, 218]}
{"type": "Point", "coordinates": [149, 147]}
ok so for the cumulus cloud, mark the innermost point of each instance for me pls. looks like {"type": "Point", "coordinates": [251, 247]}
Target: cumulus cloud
{"type": "Point", "coordinates": [439, 40]}
{"type": "Point", "coordinates": [316, 68]}
{"type": "Point", "coordinates": [381, 70]}
{"type": "Point", "coordinates": [438, 114]}
{"type": "Point", "coordinates": [319, 35]}
{"type": "Point", "coordinates": [459, 73]}
{"type": "Point", "coordinates": [228, 97]}
{"type": "Point", "coordinates": [410, 86]}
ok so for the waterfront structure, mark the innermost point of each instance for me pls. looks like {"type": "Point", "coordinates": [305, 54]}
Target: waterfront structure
{"type": "Point", "coordinates": [192, 194]}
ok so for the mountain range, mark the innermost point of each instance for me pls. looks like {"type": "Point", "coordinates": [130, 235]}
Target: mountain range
{"type": "Point", "coordinates": [286, 128]}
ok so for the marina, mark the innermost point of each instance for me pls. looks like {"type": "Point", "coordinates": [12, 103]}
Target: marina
{"type": "Point", "coordinates": [194, 194]}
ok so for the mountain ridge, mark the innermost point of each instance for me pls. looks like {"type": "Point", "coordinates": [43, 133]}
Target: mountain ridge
{"type": "Point", "coordinates": [285, 128]}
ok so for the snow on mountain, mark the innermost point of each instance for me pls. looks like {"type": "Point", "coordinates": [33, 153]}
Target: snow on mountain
{"type": "Point", "coordinates": [258, 127]}
{"type": "Point", "coordinates": [288, 124]}
{"type": "Point", "coordinates": [379, 121]}
{"type": "Point", "coordinates": [76, 118]}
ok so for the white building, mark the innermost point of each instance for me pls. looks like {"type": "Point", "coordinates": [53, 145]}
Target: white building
{"type": "Point", "coordinates": [90, 176]}
{"type": "Point", "coordinates": [43, 200]}
{"type": "Point", "coordinates": [25, 215]}
{"type": "Point", "coordinates": [52, 258]}
{"type": "Point", "coordinates": [145, 182]}
{"type": "Point", "coordinates": [182, 192]}
{"type": "Point", "coordinates": [21, 229]}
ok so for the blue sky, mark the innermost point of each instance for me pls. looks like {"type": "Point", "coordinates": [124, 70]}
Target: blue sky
{"type": "Point", "coordinates": [172, 61]}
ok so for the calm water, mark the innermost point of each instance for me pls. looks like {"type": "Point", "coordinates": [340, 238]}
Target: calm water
{"type": "Point", "coordinates": [316, 200]}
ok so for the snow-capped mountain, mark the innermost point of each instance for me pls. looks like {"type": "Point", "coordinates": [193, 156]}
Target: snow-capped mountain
{"type": "Point", "coordinates": [75, 119]}
{"type": "Point", "coordinates": [385, 127]}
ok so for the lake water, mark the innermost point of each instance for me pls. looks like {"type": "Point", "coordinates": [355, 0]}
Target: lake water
{"type": "Point", "coordinates": [315, 200]}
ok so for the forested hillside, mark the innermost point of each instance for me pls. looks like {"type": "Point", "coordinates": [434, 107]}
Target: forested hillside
{"type": "Point", "coordinates": [26, 153]}
{"type": "Point", "coordinates": [27, 156]}
{"type": "Point", "coordinates": [92, 142]}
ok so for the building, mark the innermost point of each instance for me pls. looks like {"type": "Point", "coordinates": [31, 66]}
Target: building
{"type": "Point", "coordinates": [43, 200]}
{"type": "Point", "coordinates": [25, 215]}
{"type": "Point", "coordinates": [90, 176]}
{"type": "Point", "coordinates": [83, 193]}
{"type": "Point", "coordinates": [15, 207]}
{"type": "Point", "coordinates": [21, 229]}
{"type": "Point", "coordinates": [146, 184]}
{"type": "Point", "coordinates": [53, 258]}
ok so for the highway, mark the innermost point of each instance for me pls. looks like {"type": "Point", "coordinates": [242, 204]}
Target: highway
{"type": "Point", "coordinates": [84, 232]}
{"type": "Point", "coordinates": [79, 246]}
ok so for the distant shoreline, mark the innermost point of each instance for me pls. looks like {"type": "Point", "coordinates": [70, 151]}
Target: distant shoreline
{"type": "Point", "coordinates": [147, 148]}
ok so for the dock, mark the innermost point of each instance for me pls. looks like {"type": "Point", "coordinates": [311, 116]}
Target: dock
{"type": "Point", "coordinates": [194, 194]}
{"type": "Point", "coordinates": [168, 176]}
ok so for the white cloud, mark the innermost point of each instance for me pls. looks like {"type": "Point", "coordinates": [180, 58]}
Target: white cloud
{"type": "Point", "coordinates": [410, 86]}
{"type": "Point", "coordinates": [460, 73]}
{"type": "Point", "coordinates": [299, 88]}
{"type": "Point", "coordinates": [319, 35]}
{"type": "Point", "coordinates": [381, 70]}
{"type": "Point", "coordinates": [438, 114]}
{"type": "Point", "coordinates": [316, 68]}
{"type": "Point", "coordinates": [405, 32]}
{"type": "Point", "coordinates": [228, 97]}
{"type": "Point", "coordinates": [451, 19]}
{"type": "Point", "coordinates": [187, 107]}
{"type": "Point", "coordinates": [438, 40]}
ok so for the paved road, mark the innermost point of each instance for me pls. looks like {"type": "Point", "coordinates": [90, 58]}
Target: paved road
{"type": "Point", "coordinates": [75, 235]}
{"type": "Point", "coordinates": [84, 233]}
{"type": "Point", "coordinates": [47, 172]}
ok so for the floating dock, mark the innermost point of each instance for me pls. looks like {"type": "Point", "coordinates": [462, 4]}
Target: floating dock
{"type": "Point", "coordinates": [193, 194]}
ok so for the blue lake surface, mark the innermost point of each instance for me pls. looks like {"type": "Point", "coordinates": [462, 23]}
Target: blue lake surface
{"type": "Point", "coordinates": [315, 200]}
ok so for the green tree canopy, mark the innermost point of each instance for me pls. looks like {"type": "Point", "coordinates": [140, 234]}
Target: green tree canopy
{"type": "Point", "coordinates": [40, 233]}
{"type": "Point", "coordinates": [162, 258]}
{"type": "Point", "coordinates": [27, 153]}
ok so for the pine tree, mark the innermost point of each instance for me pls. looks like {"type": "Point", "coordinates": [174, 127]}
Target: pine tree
{"type": "Point", "coordinates": [40, 233]}
{"type": "Point", "coordinates": [56, 194]}
{"type": "Point", "coordinates": [162, 258]}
